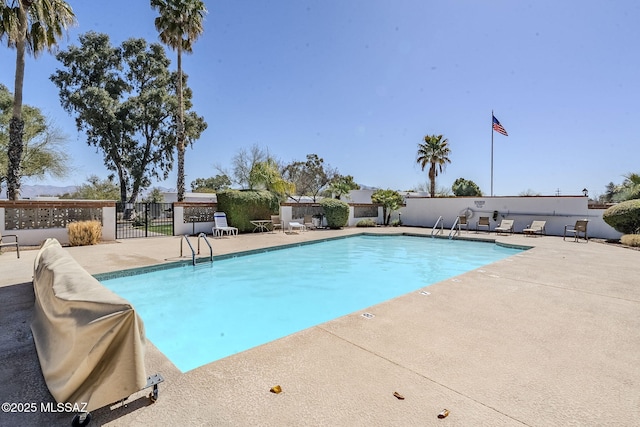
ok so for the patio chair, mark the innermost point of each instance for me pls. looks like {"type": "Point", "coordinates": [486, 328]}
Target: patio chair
{"type": "Point", "coordinates": [483, 221]}
{"type": "Point", "coordinates": [308, 222]}
{"type": "Point", "coordinates": [579, 227]}
{"type": "Point", "coordinates": [221, 227]}
{"type": "Point", "coordinates": [536, 227]}
{"type": "Point", "coordinates": [506, 226]}
{"type": "Point", "coordinates": [276, 222]}
{"type": "Point", "coordinates": [5, 243]}
{"type": "Point", "coordinates": [462, 222]}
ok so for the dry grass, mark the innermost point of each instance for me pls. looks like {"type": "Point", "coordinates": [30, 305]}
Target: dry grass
{"type": "Point", "coordinates": [84, 233]}
{"type": "Point", "coordinates": [631, 240]}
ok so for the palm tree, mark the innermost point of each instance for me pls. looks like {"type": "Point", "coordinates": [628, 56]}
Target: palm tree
{"type": "Point", "coordinates": [267, 174]}
{"type": "Point", "coordinates": [631, 187]}
{"type": "Point", "coordinates": [179, 25]}
{"type": "Point", "coordinates": [435, 151]}
{"type": "Point", "coordinates": [30, 26]}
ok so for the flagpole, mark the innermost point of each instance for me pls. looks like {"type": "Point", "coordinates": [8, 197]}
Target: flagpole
{"type": "Point", "coordinates": [491, 153]}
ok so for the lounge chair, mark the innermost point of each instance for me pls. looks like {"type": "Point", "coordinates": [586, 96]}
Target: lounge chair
{"type": "Point", "coordinates": [221, 227]}
{"type": "Point", "coordinates": [308, 222]}
{"type": "Point", "coordinates": [579, 227]}
{"type": "Point", "coordinates": [296, 225]}
{"type": "Point", "coordinates": [483, 221]}
{"type": "Point", "coordinates": [5, 243]}
{"type": "Point", "coordinates": [276, 223]}
{"type": "Point", "coordinates": [506, 226]}
{"type": "Point", "coordinates": [536, 227]}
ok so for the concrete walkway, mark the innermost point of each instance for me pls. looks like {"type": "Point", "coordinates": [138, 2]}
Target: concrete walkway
{"type": "Point", "coordinates": [543, 338]}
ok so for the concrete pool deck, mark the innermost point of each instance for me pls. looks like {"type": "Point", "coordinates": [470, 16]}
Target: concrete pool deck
{"type": "Point", "coordinates": [550, 336]}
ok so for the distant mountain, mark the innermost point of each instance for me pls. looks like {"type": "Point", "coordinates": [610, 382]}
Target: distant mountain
{"type": "Point", "coordinates": [31, 191]}
{"type": "Point", "coordinates": [367, 187]}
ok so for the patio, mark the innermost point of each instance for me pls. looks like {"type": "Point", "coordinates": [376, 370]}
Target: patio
{"type": "Point", "coordinates": [545, 337]}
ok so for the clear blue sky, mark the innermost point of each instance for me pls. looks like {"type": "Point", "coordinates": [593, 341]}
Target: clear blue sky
{"type": "Point", "coordinates": [360, 82]}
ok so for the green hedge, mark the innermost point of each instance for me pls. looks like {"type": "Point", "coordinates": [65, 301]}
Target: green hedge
{"type": "Point", "coordinates": [242, 206]}
{"type": "Point", "coordinates": [336, 212]}
{"type": "Point", "coordinates": [624, 217]}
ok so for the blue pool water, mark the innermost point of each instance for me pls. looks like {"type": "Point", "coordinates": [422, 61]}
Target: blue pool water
{"type": "Point", "coordinates": [196, 315]}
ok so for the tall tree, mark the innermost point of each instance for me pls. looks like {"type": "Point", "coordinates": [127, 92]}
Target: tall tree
{"type": "Point", "coordinates": [310, 177]}
{"type": "Point", "coordinates": [124, 100]}
{"type": "Point", "coordinates": [43, 153]}
{"type": "Point", "coordinates": [243, 163]}
{"type": "Point", "coordinates": [95, 189]}
{"type": "Point", "coordinates": [211, 185]}
{"type": "Point", "coordinates": [30, 26]}
{"type": "Point", "coordinates": [434, 152]}
{"type": "Point", "coordinates": [180, 24]}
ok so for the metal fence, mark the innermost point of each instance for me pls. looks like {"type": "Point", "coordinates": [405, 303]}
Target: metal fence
{"type": "Point", "coordinates": [143, 220]}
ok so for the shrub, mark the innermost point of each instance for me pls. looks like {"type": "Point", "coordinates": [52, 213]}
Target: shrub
{"type": "Point", "coordinates": [368, 222]}
{"type": "Point", "coordinates": [624, 217]}
{"type": "Point", "coordinates": [84, 233]}
{"type": "Point", "coordinates": [243, 206]}
{"type": "Point", "coordinates": [463, 187]}
{"type": "Point", "coordinates": [336, 212]}
{"type": "Point", "coordinates": [631, 240]}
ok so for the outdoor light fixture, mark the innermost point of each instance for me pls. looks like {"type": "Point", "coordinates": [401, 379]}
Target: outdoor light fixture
{"type": "Point", "coordinates": [585, 192]}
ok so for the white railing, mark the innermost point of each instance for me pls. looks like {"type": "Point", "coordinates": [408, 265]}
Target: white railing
{"type": "Point", "coordinates": [204, 236]}
{"type": "Point", "coordinates": [435, 226]}
{"type": "Point", "coordinates": [453, 228]}
{"type": "Point", "coordinates": [193, 252]}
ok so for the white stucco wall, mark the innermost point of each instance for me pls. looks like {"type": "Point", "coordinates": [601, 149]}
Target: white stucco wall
{"type": "Point", "coordinates": [558, 211]}
{"type": "Point", "coordinates": [35, 237]}
{"type": "Point", "coordinates": [181, 228]}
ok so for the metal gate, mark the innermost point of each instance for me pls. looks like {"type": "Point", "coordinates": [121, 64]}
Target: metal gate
{"type": "Point", "coordinates": [143, 220]}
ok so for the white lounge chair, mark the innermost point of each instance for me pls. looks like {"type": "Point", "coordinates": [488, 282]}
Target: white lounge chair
{"type": "Point", "coordinates": [536, 227]}
{"type": "Point", "coordinates": [506, 226]}
{"type": "Point", "coordinates": [221, 227]}
{"type": "Point", "coordinates": [296, 225]}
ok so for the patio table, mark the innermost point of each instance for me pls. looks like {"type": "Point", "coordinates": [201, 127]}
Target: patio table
{"type": "Point", "coordinates": [261, 225]}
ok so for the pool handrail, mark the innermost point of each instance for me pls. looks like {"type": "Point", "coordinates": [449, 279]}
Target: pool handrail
{"type": "Point", "coordinates": [453, 228]}
{"type": "Point", "coordinates": [435, 226]}
{"type": "Point", "coordinates": [193, 253]}
{"type": "Point", "coordinates": [204, 236]}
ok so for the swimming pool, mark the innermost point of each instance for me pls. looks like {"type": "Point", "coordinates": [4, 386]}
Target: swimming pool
{"type": "Point", "coordinates": [196, 315]}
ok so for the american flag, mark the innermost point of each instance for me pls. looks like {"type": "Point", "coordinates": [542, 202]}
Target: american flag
{"type": "Point", "coordinates": [498, 127]}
